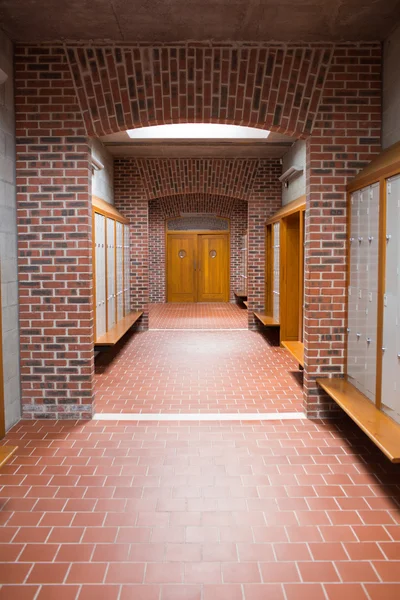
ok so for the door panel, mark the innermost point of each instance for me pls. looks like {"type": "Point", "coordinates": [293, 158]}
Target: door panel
{"type": "Point", "coordinates": [181, 257]}
{"type": "Point", "coordinates": [213, 268]}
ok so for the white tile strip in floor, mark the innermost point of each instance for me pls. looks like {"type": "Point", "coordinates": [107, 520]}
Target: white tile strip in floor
{"type": "Point", "coordinates": [287, 416]}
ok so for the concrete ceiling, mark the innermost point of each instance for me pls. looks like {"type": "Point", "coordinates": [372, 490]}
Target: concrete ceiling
{"type": "Point", "coordinates": [177, 20]}
{"type": "Point", "coordinates": [275, 146]}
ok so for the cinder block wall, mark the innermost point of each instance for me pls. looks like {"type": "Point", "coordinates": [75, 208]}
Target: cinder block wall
{"type": "Point", "coordinates": [8, 238]}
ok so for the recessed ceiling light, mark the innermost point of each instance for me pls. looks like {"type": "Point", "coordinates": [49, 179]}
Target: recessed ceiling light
{"type": "Point", "coordinates": [198, 131]}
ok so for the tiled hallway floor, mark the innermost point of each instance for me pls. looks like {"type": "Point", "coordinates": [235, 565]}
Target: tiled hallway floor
{"type": "Point", "coordinates": [197, 371]}
{"type": "Point", "coordinates": [289, 510]}
{"type": "Point", "coordinates": [213, 315]}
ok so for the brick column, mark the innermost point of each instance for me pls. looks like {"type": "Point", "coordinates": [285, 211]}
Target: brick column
{"type": "Point", "coordinates": [264, 201]}
{"type": "Point", "coordinates": [131, 200]}
{"type": "Point", "coordinates": [54, 248]}
{"type": "Point", "coordinates": [346, 137]}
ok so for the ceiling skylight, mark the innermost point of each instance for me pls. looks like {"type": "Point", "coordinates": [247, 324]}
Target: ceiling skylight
{"type": "Point", "coordinates": [198, 131]}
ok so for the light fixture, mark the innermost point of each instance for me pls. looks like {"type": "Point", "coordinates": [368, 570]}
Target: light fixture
{"type": "Point", "coordinates": [291, 173]}
{"type": "Point", "coordinates": [198, 131]}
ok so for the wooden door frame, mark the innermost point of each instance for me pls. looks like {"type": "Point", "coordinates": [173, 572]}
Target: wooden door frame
{"type": "Point", "coordinates": [197, 232]}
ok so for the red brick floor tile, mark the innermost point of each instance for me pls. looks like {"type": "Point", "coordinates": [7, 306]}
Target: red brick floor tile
{"type": "Point", "coordinates": [390, 549]}
{"type": "Point", "coordinates": [203, 573]}
{"type": "Point", "coordinates": [367, 550]}
{"type": "Point", "coordinates": [14, 573]}
{"type": "Point", "coordinates": [20, 592]}
{"type": "Point", "coordinates": [317, 571]}
{"type": "Point", "coordinates": [60, 592]}
{"type": "Point", "coordinates": [241, 573]}
{"type": "Point", "coordinates": [354, 572]}
{"type": "Point", "coordinates": [388, 571]}
{"type": "Point", "coordinates": [279, 572]}
{"type": "Point", "coordinates": [255, 552]}
{"type": "Point", "coordinates": [48, 573]}
{"type": "Point", "coordinates": [183, 553]}
{"type": "Point", "coordinates": [222, 592]}
{"type": "Point", "coordinates": [331, 551]}
{"type": "Point", "coordinates": [38, 553]}
{"type": "Point", "coordinates": [382, 591]}
{"type": "Point", "coordinates": [304, 591]}
{"type": "Point", "coordinates": [140, 592]}
{"type": "Point", "coordinates": [74, 553]}
{"type": "Point", "coordinates": [111, 553]}
{"type": "Point", "coordinates": [182, 592]}
{"type": "Point", "coordinates": [164, 573]}
{"type": "Point", "coordinates": [353, 591]}
{"type": "Point", "coordinates": [10, 552]}
{"type": "Point", "coordinates": [263, 592]}
{"type": "Point", "coordinates": [99, 592]}
{"type": "Point", "coordinates": [292, 552]}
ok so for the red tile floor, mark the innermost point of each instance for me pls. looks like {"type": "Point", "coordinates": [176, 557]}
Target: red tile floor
{"type": "Point", "coordinates": [197, 371]}
{"type": "Point", "coordinates": [289, 510]}
{"type": "Point", "coordinates": [212, 315]}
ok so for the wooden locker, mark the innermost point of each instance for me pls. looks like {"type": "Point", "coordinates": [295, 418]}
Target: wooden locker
{"type": "Point", "coordinates": [100, 269]}
{"type": "Point", "coordinates": [127, 287]}
{"type": "Point", "coordinates": [119, 270]}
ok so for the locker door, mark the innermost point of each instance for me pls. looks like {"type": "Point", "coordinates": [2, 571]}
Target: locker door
{"type": "Point", "coordinates": [352, 335]}
{"type": "Point", "coordinates": [100, 269]}
{"type": "Point", "coordinates": [127, 300]}
{"type": "Point", "coordinates": [371, 347]}
{"type": "Point", "coordinates": [373, 238]}
{"type": "Point", "coordinates": [363, 239]}
{"type": "Point", "coordinates": [120, 271]}
{"type": "Point", "coordinates": [110, 274]}
{"type": "Point", "coordinates": [391, 314]}
{"type": "Point", "coordinates": [354, 240]}
{"type": "Point", "coordinates": [276, 267]}
{"type": "Point", "coordinates": [360, 344]}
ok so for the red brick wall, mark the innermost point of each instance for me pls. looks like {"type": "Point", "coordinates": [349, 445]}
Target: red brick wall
{"type": "Point", "coordinates": [330, 93]}
{"type": "Point", "coordinates": [345, 137]}
{"type": "Point", "coordinates": [265, 199]}
{"type": "Point", "coordinates": [54, 247]}
{"type": "Point", "coordinates": [156, 252]}
{"type": "Point", "coordinates": [130, 199]}
{"type": "Point", "coordinates": [159, 210]}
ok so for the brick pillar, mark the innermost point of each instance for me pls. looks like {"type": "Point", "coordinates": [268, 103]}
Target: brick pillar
{"type": "Point", "coordinates": [54, 249]}
{"type": "Point", "coordinates": [131, 200]}
{"type": "Point", "coordinates": [345, 138]}
{"type": "Point", "coordinates": [264, 201]}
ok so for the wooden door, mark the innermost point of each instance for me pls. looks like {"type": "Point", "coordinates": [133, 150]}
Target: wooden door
{"type": "Point", "coordinates": [213, 268]}
{"type": "Point", "coordinates": [181, 267]}
{"type": "Point", "coordinates": [290, 277]}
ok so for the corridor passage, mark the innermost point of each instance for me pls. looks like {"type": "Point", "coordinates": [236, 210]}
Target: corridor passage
{"type": "Point", "coordinates": [289, 510]}
{"type": "Point", "coordinates": [215, 315]}
{"type": "Point", "coordinates": [212, 371]}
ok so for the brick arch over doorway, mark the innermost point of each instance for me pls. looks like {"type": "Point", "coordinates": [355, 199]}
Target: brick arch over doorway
{"type": "Point", "coordinates": [330, 94]}
{"type": "Point", "coordinates": [170, 206]}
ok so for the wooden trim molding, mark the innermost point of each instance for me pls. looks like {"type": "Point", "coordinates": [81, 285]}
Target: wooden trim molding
{"type": "Point", "coordinates": [295, 206]}
{"type": "Point", "coordinates": [108, 210]}
{"type": "Point", "coordinates": [382, 167]}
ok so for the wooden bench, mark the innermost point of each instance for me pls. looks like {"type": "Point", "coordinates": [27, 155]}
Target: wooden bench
{"type": "Point", "coordinates": [380, 428]}
{"type": "Point", "coordinates": [266, 320]}
{"type": "Point", "coordinates": [246, 303]}
{"type": "Point", "coordinates": [6, 452]}
{"type": "Point", "coordinates": [241, 295]}
{"type": "Point", "coordinates": [116, 333]}
{"type": "Point", "coordinates": [296, 349]}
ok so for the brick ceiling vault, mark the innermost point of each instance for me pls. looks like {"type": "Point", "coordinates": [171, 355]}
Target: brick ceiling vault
{"type": "Point", "coordinates": [221, 177]}
{"type": "Point", "coordinates": [273, 86]}
{"type": "Point", "coordinates": [174, 206]}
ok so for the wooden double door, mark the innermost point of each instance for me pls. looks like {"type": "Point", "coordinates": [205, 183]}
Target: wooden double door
{"type": "Point", "coordinates": [197, 267]}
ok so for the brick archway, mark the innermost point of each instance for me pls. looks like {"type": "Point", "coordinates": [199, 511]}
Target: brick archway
{"type": "Point", "coordinates": [329, 94]}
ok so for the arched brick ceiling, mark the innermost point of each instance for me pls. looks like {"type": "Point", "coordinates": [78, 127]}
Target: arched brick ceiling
{"type": "Point", "coordinates": [174, 206]}
{"type": "Point", "coordinates": [273, 86]}
{"type": "Point", "coordinates": [227, 177]}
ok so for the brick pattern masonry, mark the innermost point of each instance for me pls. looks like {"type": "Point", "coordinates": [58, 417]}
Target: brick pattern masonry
{"type": "Point", "coordinates": [329, 94]}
